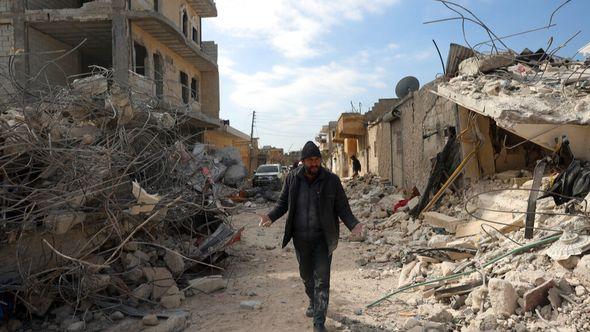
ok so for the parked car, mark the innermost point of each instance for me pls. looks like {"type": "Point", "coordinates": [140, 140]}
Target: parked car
{"type": "Point", "coordinates": [269, 175]}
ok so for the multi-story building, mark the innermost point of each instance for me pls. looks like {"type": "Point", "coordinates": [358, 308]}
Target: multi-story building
{"type": "Point", "coordinates": [155, 48]}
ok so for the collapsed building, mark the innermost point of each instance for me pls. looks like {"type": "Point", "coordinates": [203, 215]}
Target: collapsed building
{"type": "Point", "coordinates": [480, 205]}
{"type": "Point", "coordinates": [111, 205]}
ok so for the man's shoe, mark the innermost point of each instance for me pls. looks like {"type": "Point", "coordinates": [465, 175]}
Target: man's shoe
{"type": "Point", "coordinates": [319, 328]}
{"type": "Point", "coordinates": [309, 311]}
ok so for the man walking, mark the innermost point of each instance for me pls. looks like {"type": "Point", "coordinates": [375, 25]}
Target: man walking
{"type": "Point", "coordinates": [315, 200]}
{"type": "Point", "coordinates": [356, 166]}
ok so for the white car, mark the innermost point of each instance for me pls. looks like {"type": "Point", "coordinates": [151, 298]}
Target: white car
{"type": "Point", "coordinates": [268, 175]}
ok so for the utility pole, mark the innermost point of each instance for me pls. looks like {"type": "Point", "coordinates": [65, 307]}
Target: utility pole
{"type": "Point", "coordinates": [252, 140]}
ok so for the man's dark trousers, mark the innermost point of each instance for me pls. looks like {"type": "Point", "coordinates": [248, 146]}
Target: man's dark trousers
{"type": "Point", "coordinates": [314, 268]}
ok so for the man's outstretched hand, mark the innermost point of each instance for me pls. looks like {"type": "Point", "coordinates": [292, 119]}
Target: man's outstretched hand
{"type": "Point", "coordinates": [356, 234]}
{"type": "Point", "coordinates": [264, 220]}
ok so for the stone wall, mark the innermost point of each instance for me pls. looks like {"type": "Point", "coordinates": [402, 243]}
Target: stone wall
{"type": "Point", "coordinates": [4, 5]}
{"type": "Point", "coordinates": [424, 119]}
{"type": "Point", "coordinates": [6, 45]}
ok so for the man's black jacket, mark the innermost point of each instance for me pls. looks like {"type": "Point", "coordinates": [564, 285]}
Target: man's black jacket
{"type": "Point", "coordinates": [333, 204]}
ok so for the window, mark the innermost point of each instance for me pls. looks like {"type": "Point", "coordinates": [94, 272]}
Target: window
{"type": "Point", "coordinates": [194, 89]}
{"type": "Point", "coordinates": [184, 23]}
{"type": "Point", "coordinates": [140, 55]}
{"type": "Point", "coordinates": [184, 86]}
{"type": "Point", "coordinates": [159, 75]}
{"type": "Point", "coordinates": [195, 35]}
{"type": "Point", "coordinates": [156, 5]}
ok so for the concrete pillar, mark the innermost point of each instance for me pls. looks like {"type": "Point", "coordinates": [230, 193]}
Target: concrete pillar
{"type": "Point", "coordinates": [19, 25]}
{"type": "Point", "coordinates": [121, 43]}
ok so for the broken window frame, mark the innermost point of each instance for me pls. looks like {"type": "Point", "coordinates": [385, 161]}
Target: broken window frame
{"type": "Point", "coordinates": [184, 22]}
{"type": "Point", "coordinates": [184, 87]}
{"type": "Point", "coordinates": [137, 68]}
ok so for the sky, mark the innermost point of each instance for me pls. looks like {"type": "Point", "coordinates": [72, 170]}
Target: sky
{"type": "Point", "coordinates": [300, 63]}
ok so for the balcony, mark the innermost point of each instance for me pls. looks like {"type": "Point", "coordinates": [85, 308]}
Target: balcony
{"type": "Point", "coordinates": [205, 8]}
{"type": "Point", "coordinates": [351, 125]}
{"type": "Point", "coordinates": [164, 30]}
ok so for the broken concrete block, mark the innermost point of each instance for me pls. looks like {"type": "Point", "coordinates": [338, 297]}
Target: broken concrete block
{"type": "Point", "coordinates": [440, 220]}
{"type": "Point", "coordinates": [174, 262]}
{"type": "Point", "coordinates": [145, 202]}
{"type": "Point", "coordinates": [61, 222]}
{"type": "Point", "coordinates": [171, 301]}
{"type": "Point", "coordinates": [413, 202]}
{"type": "Point", "coordinates": [484, 63]}
{"type": "Point", "coordinates": [150, 320]}
{"type": "Point", "coordinates": [502, 296]}
{"type": "Point", "coordinates": [582, 270]}
{"type": "Point", "coordinates": [208, 284]}
{"type": "Point", "coordinates": [251, 305]}
{"type": "Point", "coordinates": [492, 88]}
{"type": "Point", "coordinates": [143, 291]}
{"type": "Point", "coordinates": [174, 323]}
{"type": "Point", "coordinates": [537, 295]}
{"type": "Point", "coordinates": [161, 279]}
{"type": "Point", "coordinates": [93, 85]}
{"type": "Point", "coordinates": [76, 327]}
{"type": "Point", "coordinates": [447, 268]}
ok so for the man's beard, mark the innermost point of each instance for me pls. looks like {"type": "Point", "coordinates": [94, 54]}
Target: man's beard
{"type": "Point", "coordinates": [313, 170]}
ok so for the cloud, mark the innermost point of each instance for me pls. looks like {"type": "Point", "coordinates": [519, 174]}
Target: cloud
{"type": "Point", "coordinates": [393, 46]}
{"type": "Point", "coordinates": [293, 102]}
{"type": "Point", "coordinates": [293, 28]}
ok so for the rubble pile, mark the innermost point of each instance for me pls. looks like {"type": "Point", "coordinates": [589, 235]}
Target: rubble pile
{"type": "Point", "coordinates": [466, 265]}
{"type": "Point", "coordinates": [542, 87]}
{"type": "Point", "coordinates": [106, 208]}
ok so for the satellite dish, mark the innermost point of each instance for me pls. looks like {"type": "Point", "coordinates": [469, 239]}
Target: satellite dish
{"type": "Point", "coordinates": [406, 85]}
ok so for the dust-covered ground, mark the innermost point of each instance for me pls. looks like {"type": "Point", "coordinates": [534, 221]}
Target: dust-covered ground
{"type": "Point", "coordinates": [259, 270]}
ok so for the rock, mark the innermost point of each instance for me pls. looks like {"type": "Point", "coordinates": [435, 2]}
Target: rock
{"type": "Point", "coordinates": [582, 270]}
{"type": "Point", "coordinates": [382, 258]}
{"type": "Point", "coordinates": [410, 323]}
{"type": "Point", "coordinates": [174, 323]}
{"type": "Point", "coordinates": [570, 263]}
{"type": "Point", "coordinates": [477, 297]}
{"type": "Point", "coordinates": [580, 290]}
{"type": "Point", "coordinates": [150, 320]}
{"type": "Point", "coordinates": [440, 315]}
{"type": "Point", "coordinates": [117, 315]}
{"type": "Point", "coordinates": [143, 257]}
{"type": "Point", "coordinates": [503, 297]}
{"type": "Point", "coordinates": [269, 247]}
{"type": "Point", "coordinates": [358, 312]}
{"type": "Point", "coordinates": [440, 220]}
{"type": "Point", "coordinates": [143, 291]}
{"type": "Point", "coordinates": [161, 279]}
{"type": "Point", "coordinates": [447, 268]}
{"type": "Point", "coordinates": [208, 284]}
{"type": "Point", "coordinates": [76, 327]}
{"type": "Point", "coordinates": [174, 262]}
{"type": "Point", "coordinates": [251, 305]}
{"type": "Point", "coordinates": [171, 301]}
{"type": "Point", "coordinates": [379, 214]}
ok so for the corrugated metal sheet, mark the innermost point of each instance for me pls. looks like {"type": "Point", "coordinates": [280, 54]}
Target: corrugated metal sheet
{"type": "Point", "coordinates": [457, 53]}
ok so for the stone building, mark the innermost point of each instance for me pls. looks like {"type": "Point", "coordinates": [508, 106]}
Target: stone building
{"type": "Point", "coordinates": [155, 47]}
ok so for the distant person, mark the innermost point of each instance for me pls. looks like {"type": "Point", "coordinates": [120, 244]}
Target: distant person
{"type": "Point", "coordinates": [356, 166]}
{"type": "Point", "coordinates": [296, 164]}
{"type": "Point", "coordinates": [314, 199]}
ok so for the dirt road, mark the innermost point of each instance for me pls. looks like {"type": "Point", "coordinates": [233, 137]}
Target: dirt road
{"type": "Point", "coordinates": [260, 270]}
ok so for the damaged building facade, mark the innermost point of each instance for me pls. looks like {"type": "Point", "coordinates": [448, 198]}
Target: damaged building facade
{"type": "Point", "coordinates": [155, 47]}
